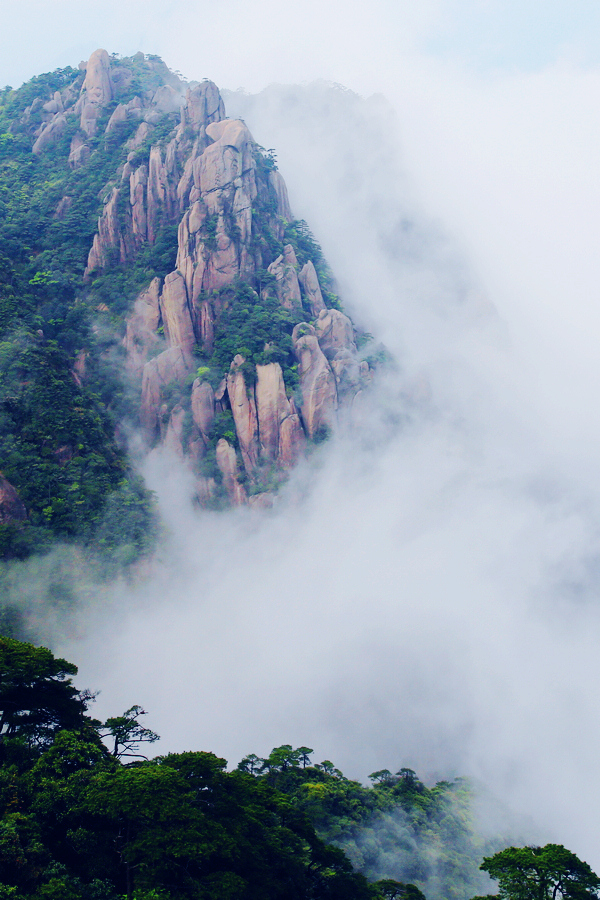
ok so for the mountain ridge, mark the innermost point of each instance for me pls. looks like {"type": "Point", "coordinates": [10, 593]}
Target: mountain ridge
{"type": "Point", "coordinates": [232, 349]}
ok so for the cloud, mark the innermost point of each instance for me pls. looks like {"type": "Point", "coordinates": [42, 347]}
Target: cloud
{"type": "Point", "coordinates": [426, 592]}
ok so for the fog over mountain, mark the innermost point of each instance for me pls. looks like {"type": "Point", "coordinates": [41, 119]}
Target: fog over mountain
{"type": "Point", "coordinates": [425, 591]}
{"type": "Point", "coordinates": [430, 598]}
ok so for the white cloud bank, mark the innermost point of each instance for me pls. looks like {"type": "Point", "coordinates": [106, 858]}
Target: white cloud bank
{"type": "Point", "coordinates": [432, 600]}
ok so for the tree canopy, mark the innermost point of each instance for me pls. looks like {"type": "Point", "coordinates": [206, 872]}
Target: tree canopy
{"type": "Point", "coordinates": [541, 873]}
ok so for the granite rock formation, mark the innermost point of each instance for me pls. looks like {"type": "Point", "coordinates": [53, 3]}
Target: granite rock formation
{"type": "Point", "coordinates": [240, 405]}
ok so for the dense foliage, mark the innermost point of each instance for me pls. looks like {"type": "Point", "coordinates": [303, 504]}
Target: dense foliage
{"type": "Point", "coordinates": [397, 829]}
{"type": "Point", "coordinates": [57, 444]}
{"type": "Point", "coordinates": [541, 873]}
{"type": "Point", "coordinates": [75, 822]}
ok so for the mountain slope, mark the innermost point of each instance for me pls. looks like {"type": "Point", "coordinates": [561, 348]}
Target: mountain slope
{"type": "Point", "coordinates": [153, 281]}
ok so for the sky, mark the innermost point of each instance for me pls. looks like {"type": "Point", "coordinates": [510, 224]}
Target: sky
{"type": "Point", "coordinates": [426, 592]}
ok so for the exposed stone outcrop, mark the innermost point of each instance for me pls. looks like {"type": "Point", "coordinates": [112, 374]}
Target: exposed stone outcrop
{"type": "Point", "coordinates": [243, 407]}
{"type": "Point", "coordinates": [50, 133]}
{"type": "Point", "coordinates": [79, 152]}
{"type": "Point", "coordinates": [307, 276]}
{"type": "Point", "coordinates": [334, 332]}
{"type": "Point", "coordinates": [203, 407]}
{"type": "Point", "coordinates": [174, 436]}
{"type": "Point", "coordinates": [12, 508]}
{"type": "Point", "coordinates": [231, 210]}
{"type": "Point", "coordinates": [141, 339]}
{"type": "Point", "coordinates": [281, 192]}
{"type": "Point", "coordinates": [203, 105]}
{"type": "Point", "coordinates": [346, 368]}
{"type": "Point", "coordinates": [228, 466]}
{"type": "Point", "coordinates": [191, 255]}
{"type": "Point", "coordinates": [284, 268]}
{"type": "Point", "coordinates": [108, 236]}
{"type": "Point", "coordinates": [171, 365]}
{"type": "Point", "coordinates": [317, 382]}
{"type": "Point", "coordinates": [97, 90]}
{"type": "Point", "coordinates": [138, 181]}
{"type": "Point", "coordinates": [281, 434]}
{"type": "Point", "coordinates": [175, 310]}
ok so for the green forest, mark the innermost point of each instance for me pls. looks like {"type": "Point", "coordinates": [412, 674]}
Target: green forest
{"type": "Point", "coordinates": [86, 814]}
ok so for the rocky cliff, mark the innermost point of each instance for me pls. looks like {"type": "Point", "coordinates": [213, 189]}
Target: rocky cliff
{"type": "Point", "coordinates": [229, 328]}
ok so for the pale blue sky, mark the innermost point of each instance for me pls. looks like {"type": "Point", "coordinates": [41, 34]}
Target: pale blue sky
{"type": "Point", "coordinates": [250, 45]}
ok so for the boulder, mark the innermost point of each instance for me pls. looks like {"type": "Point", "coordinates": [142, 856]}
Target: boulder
{"type": "Point", "coordinates": [346, 368]}
{"type": "Point", "coordinates": [143, 131]}
{"type": "Point", "coordinates": [119, 117]}
{"type": "Point", "coordinates": [79, 152]}
{"type": "Point", "coordinates": [11, 505]}
{"type": "Point", "coordinates": [167, 99]}
{"type": "Point", "coordinates": [203, 105]}
{"type": "Point", "coordinates": [312, 289]}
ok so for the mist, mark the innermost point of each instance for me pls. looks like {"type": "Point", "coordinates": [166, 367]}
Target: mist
{"type": "Point", "coordinates": [425, 592]}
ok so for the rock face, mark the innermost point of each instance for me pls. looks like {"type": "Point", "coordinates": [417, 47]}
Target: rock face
{"type": "Point", "coordinates": [284, 268]}
{"type": "Point", "coordinates": [97, 91]}
{"type": "Point", "coordinates": [141, 337]}
{"type": "Point", "coordinates": [312, 289]}
{"type": "Point", "coordinates": [204, 177]}
{"type": "Point", "coordinates": [11, 506]}
{"type": "Point", "coordinates": [170, 366]}
{"type": "Point", "coordinates": [334, 332]}
{"type": "Point", "coordinates": [243, 407]}
{"type": "Point", "coordinates": [228, 466]}
{"type": "Point", "coordinates": [175, 311]}
{"type": "Point", "coordinates": [317, 383]}
{"type": "Point", "coordinates": [281, 434]}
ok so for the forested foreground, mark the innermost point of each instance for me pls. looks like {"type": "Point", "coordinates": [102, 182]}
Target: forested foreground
{"type": "Point", "coordinates": [86, 815]}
